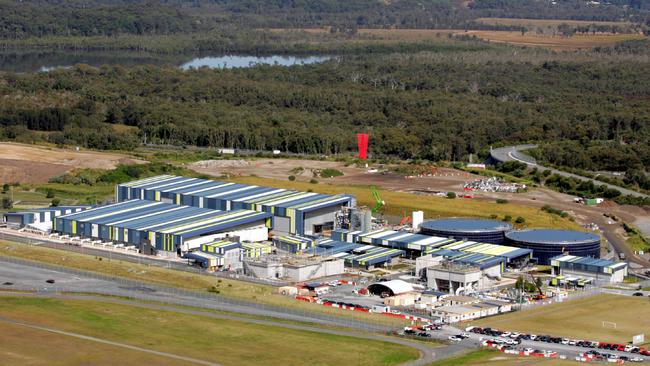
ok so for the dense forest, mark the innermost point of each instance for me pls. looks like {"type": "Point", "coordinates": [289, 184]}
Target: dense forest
{"type": "Point", "coordinates": [437, 106]}
{"type": "Point", "coordinates": [435, 99]}
{"type": "Point", "coordinates": [40, 18]}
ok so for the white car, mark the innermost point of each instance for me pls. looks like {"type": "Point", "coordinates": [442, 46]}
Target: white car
{"type": "Point", "coordinates": [533, 337]}
{"type": "Point", "coordinates": [454, 339]}
{"type": "Point", "coordinates": [529, 350]}
{"type": "Point", "coordinates": [636, 359]}
{"type": "Point", "coordinates": [565, 341]}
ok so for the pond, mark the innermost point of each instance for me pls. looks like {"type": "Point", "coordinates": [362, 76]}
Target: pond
{"type": "Point", "coordinates": [46, 60]}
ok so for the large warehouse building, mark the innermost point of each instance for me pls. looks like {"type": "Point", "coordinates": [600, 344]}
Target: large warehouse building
{"type": "Point", "coordinates": [41, 217]}
{"type": "Point", "coordinates": [293, 212]}
{"type": "Point", "coordinates": [547, 243]}
{"type": "Point", "coordinates": [163, 226]}
{"type": "Point", "coordinates": [485, 231]}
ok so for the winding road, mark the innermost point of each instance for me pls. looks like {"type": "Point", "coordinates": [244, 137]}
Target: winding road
{"type": "Point", "coordinates": [515, 153]}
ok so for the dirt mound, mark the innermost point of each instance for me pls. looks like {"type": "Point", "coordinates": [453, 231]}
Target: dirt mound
{"type": "Point", "coordinates": [21, 171]}
{"type": "Point", "coordinates": [216, 164]}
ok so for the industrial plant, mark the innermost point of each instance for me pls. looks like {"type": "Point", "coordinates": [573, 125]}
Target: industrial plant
{"type": "Point", "coordinates": [309, 244]}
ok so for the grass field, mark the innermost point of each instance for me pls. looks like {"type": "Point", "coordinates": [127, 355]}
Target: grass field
{"type": "Point", "coordinates": [402, 204]}
{"type": "Point", "coordinates": [531, 23]}
{"type": "Point", "coordinates": [232, 288]}
{"type": "Point", "coordinates": [491, 357]}
{"type": "Point", "coordinates": [578, 41]}
{"type": "Point", "coordinates": [227, 342]}
{"type": "Point", "coordinates": [581, 318]}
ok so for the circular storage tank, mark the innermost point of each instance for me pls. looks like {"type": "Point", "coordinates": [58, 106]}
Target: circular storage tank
{"type": "Point", "coordinates": [481, 230]}
{"type": "Point", "coordinates": [548, 243]}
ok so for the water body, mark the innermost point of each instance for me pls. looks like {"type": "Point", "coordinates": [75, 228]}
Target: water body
{"type": "Point", "coordinates": [45, 60]}
{"type": "Point", "coordinates": [234, 61]}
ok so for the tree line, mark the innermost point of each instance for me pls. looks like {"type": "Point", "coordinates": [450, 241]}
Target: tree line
{"type": "Point", "coordinates": [593, 115]}
{"type": "Point", "coordinates": [43, 18]}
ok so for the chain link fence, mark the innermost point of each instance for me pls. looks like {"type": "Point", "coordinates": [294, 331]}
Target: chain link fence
{"type": "Point", "coordinates": [120, 254]}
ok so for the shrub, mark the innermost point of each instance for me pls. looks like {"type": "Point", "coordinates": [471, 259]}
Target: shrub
{"type": "Point", "coordinates": [502, 200]}
{"type": "Point", "coordinates": [292, 178]}
{"type": "Point", "coordinates": [507, 218]}
{"type": "Point", "coordinates": [55, 202]}
{"type": "Point", "coordinates": [330, 173]}
{"type": "Point", "coordinates": [451, 195]}
{"type": "Point", "coordinates": [520, 220]}
{"type": "Point", "coordinates": [7, 203]}
{"type": "Point", "coordinates": [494, 216]}
{"type": "Point", "coordinates": [313, 181]}
{"type": "Point", "coordinates": [50, 193]}
{"type": "Point", "coordinates": [5, 188]}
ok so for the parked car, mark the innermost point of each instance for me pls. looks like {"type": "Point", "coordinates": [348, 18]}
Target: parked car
{"type": "Point", "coordinates": [50, 281]}
{"type": "Point", "coordinates": [637, 294]}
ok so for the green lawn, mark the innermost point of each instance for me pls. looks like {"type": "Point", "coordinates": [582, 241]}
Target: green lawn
{"type": "Point", "coordinates": [232, 288]}
{"type": "Point", "coordinates": [582, 318]}
{"type": "Point", "coordinates": [227, 342]}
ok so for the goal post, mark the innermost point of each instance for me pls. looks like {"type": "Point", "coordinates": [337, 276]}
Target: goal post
{"type": "Point", "coordinates": [609, 325]}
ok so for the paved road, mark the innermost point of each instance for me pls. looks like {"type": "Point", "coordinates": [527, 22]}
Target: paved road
{"type": "Point", "coordinates": [514, 153]}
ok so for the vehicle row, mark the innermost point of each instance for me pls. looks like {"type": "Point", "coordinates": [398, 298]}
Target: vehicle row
{"type": "Point", "coordinates": [558, 340]}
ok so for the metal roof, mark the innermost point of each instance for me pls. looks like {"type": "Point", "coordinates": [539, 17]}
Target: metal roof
{"type": "Point", "coordinates": [466, 225]}
{"type": "Point", "coordinates": [401, 239]}
{"type": "Point", "coordinates": [166, 218]}
{"type": "Point", "coordinates": [480, 260]}
{"type": "Point", "coordinates": [552, 237]}
{"type": "Point", "coordinates": [489, 249]}
{"type": "Point", "coordinates": [250, 196]}
{"type": "Point", "coordinates": [587, 261]}
{"type": "Point", "coordinates": [396, 287]}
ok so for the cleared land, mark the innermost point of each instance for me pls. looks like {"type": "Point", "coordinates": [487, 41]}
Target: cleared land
{"type": "Point", "coordinates": [581, 318]}
{"type": "Point", "coordinates": [166, 277]}
{"type": "Point", "coordinates": [490, 357]}
{"type": "Point", "coordinates": [402, 204]}
{"type": "Point", "coordinates": [36, 164]}
{"type": "Point", "coordinates": [578, 41]}
{"type": "Point", "coordinates": [546, 22]}
{"type": "Point", "coordinates": [557, 42]}
{"type": "Point", "coordinates": [221, 341]}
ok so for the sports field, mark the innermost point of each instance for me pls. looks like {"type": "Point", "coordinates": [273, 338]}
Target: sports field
{"type": "Point", "coordinates": [222, 341]}
{"type": "Point", "coordinates": [581, 319]}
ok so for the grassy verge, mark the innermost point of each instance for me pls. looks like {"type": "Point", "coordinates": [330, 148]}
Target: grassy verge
{"type": "Point", "coordinates": [582, 319]}
{"type": "Point", "coordinates": [635, 239]}
{"type": "Point", "coordinates": [227, 342]}
{"type": "Point", "coordinates": [262, 294]}
{"type": "Point", "coordinates": [491, 357]}
{"type": "Point", "coordinates": [400, 204]}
